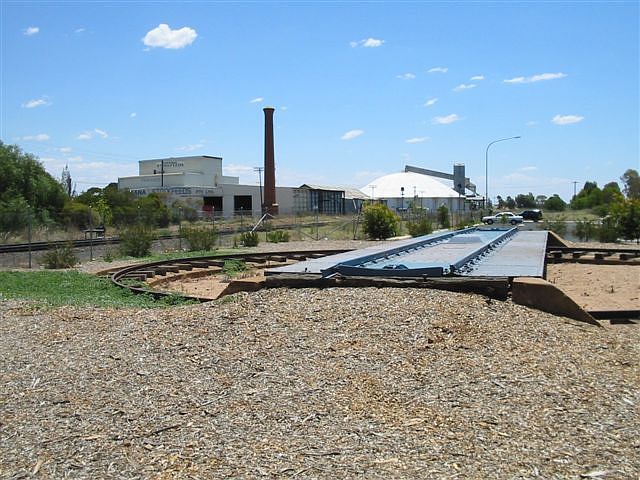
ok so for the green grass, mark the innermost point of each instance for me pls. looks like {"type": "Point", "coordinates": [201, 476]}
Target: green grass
{"type": "Point", "coordinates": [156, 257]}
{"type": "Point", "coordinates": [74, 288]}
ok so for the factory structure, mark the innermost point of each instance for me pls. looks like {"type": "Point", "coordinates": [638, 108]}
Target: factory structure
{"type": "Point", "coordinates": [200, 180]}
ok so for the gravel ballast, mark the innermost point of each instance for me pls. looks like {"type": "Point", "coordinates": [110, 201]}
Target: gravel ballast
{"type": "Point", "coordinates": [335, 383]}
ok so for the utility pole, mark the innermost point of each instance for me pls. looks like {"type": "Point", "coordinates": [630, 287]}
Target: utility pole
{"type": "Point", "coordinates": [373, 187]}
{"type": "Point", "coordinates": [574, 187]}
{"type": "Point", "coordinates": [90, 234]}
{"type": "Point", "coordinates": [260, 170]}
{"type": "Point", "coordinates": [162, 173]}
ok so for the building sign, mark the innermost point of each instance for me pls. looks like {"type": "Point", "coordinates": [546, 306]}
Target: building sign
{"type": "Point", "coordinates": [170, 164]}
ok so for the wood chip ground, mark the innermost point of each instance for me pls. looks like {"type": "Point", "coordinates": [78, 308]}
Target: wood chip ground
{"type": "Point", "coordinates": [335, 383]}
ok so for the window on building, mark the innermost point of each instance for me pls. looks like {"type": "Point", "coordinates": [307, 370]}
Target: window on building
{"type": "Point", "coordinates": [242, 204]}
{"type": "Point", "coordinates": [212, 204]}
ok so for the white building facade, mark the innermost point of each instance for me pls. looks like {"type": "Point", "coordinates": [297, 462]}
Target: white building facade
{"type": "Point", "coordinates": [200, 179]}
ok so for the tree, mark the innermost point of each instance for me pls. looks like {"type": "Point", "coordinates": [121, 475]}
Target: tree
{"type": "Point", "coordinates": [626, 215]}
{"type": "Point", "coordinates": [525, 201]}
{"type": "Point", "coordinates": [379, 222]}
{"type": "Point", "coordinates": [510, 203]}
{"type": "Point", "coordinates": [555, 204]}
{"type": "Point", "coordinates": [588, 197]}
{"type": "Point", "coordinates": [631, 181]}
{"type": "Point", "coordinates": [540, 199]}
{"type": "Point", "coordinates": [23, 176]}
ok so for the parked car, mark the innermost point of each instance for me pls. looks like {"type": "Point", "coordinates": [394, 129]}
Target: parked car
{"type": "Point", "coordinates": [534, 214]}
{"type": "Point", "coordinates": [503, 217]}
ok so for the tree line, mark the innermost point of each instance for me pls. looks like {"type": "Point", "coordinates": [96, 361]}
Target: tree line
{"type": "Point", "coordinates": [29, 195]}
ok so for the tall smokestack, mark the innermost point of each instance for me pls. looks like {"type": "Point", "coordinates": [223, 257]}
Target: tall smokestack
{"type": "Point", "coordinates": [269, 164]}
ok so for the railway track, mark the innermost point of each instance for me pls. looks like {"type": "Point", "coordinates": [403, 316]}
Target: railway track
{"type": "Point", "coordinates": [135, 277]}
{"type": "Point", "coordinates": [599, 256]}
{"type": "Point", "coordinates": [141, 278]}
{"type": "Point", "coordinates": [40, 246]}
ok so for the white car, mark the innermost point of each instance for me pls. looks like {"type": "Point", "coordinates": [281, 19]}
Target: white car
{"type": "Point", "coordinates": [503, 217]}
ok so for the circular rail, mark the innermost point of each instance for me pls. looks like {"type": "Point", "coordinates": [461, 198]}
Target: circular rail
{"type": "Point", "coordinates": [134, 277]}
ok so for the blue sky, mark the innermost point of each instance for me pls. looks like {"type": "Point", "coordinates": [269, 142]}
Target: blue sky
{"type": "Point", "coordinates": [360, 88]}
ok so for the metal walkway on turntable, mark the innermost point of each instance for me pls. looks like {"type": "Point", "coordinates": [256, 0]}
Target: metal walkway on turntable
{"type": "Point", "coordinates": [472, 252]}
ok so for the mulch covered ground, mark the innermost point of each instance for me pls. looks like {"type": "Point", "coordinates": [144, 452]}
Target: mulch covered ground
{"type": "Point", "coordinates": [336, 383]}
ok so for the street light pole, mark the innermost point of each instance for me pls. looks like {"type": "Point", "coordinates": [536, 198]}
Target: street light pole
{"type": "Point", "coordinates": [486, 167]}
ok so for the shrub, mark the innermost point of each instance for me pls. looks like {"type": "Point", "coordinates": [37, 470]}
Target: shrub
{"type": "Point", "coordinates": [136, 241]}
{"type": "Point", "coordinates": [278, 236]}
{"type": "Point", "coordinates": [558, 226]}
{"type": "Point", "coordinates": [608, 231]}
{"type": "Point", "coordinates": [203, 238]}
{"type": "Point", "coordinates": [249, 239]}
{"type": "Point", "coordinates": [443, 216]}
{"type": "Point", "coordinates": [379, 222]}
{"type": "Point", "coordinates": [422, 226]}
{"type": "Point", "coordinates": [233, 267]}
{"type": "Point", "coordinates": [59, 257]}
{"type": "Point", "coordinates": [586, 230]}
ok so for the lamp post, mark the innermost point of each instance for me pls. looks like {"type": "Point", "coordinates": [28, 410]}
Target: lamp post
{"type": "Point", "coordinates": [486, 167]}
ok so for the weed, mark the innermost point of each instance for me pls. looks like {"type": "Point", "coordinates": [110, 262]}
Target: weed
{"type": "Point", "coordinates": [59, 257]}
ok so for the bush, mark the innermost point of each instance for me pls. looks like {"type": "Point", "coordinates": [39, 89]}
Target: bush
{"type": "Point", "coordinates": [59, 257]}
{"type": "Point", "coordinates": [199, 238]}
{"type": "Point", "coordinates": [443, 216]}
{"type": "Point", "coordinates": [278, 236]}
{"type": "Point", "coordinates": [558, 226]}
{"type": "Point", "coordinates": [586, 230]}
{"type": "Point", "coordinates": [422, 226]}
{"type": "Point", "coordinates": [608, 232]}
{"type": "Point", "coordinates": [136, 241]}
{"type": "Point", "coordinates": [249, 239]}
{"type": "Point", "coordinates": [379, 222]}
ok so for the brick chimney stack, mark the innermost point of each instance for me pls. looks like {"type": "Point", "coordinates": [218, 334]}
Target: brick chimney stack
{"type": "Point", "coordinates": [270, 204]}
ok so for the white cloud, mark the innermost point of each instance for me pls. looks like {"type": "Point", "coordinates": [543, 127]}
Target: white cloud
{"type": "Point", "coordinates": [464, 86]}
{"type": "Point", "coordinates": [477, 78]}
{"type": "Point", "coordinates": [190, 148]}
{"type": "Point", "coordinates": [438, 70]}
{"type": "Point", "coordinates": [284, 109]}
{"type": "Point", "coordinates": [89, 134]}
{"type": "Point", "coordinates": [566, 119]}
{"type": "Point", "coordinates": [64, 150]}
{"type": "Point", "coordinates": [351, 134]}
{"type": "Point", "coordinates": [446, 120]}
{"type": "Point", "coordinates": [536, 78]}
{"type": "Point", "coordinates": [31, 31]}
{"type": "Point", "coordinates": [529, 169]}
{"type": "Point", "coordinates": [416, 140]}
{"type": "Point", "coordinates": [133, 115]}
{"type": "Point", "coordinates": [257, 100]}
{"type": "Point", "coordinates": [430, 102]}
{"type": "Point", "coordinates": [162, 36]}
{"type": "Point", "coordinates": [39, 102]}
{"type": "Point", "coordinates": [367, 43]}
{"type": "Point", "coordinates": [531, 123]}
{"type": "Point", "coordinates": [406, 76]}
{"type": "Point", "coordinates": [41, 137]}
{"type": "Point", "coordinates": [80, 30]}
{"type": "Point", "coordinates": [372, 43]}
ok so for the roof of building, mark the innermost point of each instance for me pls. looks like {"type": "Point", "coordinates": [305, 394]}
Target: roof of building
{"type": "Point", "coordinates": [349, 192]}
{"type": "Point", "coordinates": [390, 186]}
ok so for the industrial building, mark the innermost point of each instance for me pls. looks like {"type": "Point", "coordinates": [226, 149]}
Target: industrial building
{"type": "Point", "coordinates": [200, 180]}
{"type": "Point", "coordinates": [425, 189]}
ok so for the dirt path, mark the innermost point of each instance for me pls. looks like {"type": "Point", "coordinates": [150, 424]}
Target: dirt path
{"type": "Point", "coordinates": [598, 287]}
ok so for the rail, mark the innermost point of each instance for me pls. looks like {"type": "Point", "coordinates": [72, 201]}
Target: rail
{"type": "Point", "coordinates": [133, 277]}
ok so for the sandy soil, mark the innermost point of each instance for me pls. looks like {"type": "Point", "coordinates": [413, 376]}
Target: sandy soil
{"type": "Point", "coordinates": [598, 287]}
